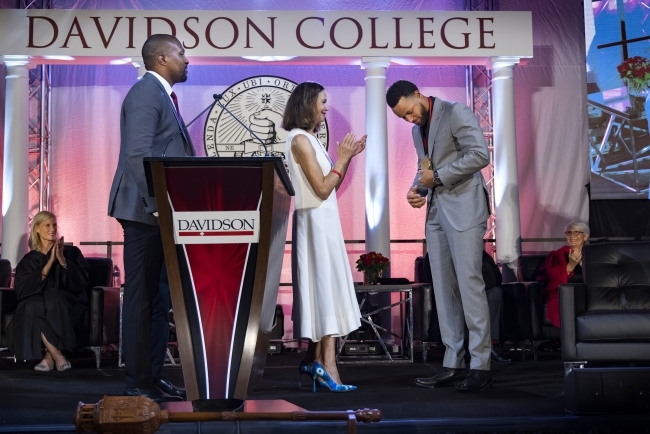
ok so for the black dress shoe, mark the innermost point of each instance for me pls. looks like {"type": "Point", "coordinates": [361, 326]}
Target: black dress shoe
{"type": "Point", "coordinates": [444, 377]}
{"type": "Point", "coordinates": [498, 357]}
{"type": "Point", "coordinates": [170, 389]}
{"type": "Point", "coordinates": [152, 393]}
{"type": "Point", "coordinates": [476, 380]}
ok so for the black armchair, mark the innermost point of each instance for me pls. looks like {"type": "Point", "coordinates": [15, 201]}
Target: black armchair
{"type": "Point", "coordinates": [8, 301]}
{"type": "Point", "coordinates": [531, 302]}
{"type": "Point", "coordinates": [541, 328]}
{"type": "Point", "coordinates": [607, 319]}
{"type": "Point", "coordinates": [102, 324]}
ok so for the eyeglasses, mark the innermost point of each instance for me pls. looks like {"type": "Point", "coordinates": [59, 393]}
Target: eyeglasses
{"type": "Point", "coordinates": [573, 233]}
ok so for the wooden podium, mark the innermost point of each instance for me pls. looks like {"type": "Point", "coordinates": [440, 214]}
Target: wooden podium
{"type": "Point", "coordinates": [224, 226]}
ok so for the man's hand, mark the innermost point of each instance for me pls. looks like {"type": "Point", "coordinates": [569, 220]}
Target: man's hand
{"type": "Point", "coordinates": [427, 178]}
{"type": "Point", "coordinates": [415, 199]}
{"type": "Point", "coordinates": [264, 122]}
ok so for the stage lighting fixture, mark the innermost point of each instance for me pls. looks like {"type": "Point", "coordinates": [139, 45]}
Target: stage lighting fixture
{"type": "Point", "coordinates": [58, 57]}
{"type": "Point", "coordinates": [268, 58]}
{"type": "Point", "coordinates": [124, 61]}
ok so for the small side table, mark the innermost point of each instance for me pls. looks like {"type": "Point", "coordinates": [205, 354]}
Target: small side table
{"type": "Point", "coordinates": [407, 332]}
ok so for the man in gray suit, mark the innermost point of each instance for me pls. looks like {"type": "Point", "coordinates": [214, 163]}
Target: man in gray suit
{"type": "Point", "coordinates": [150, 126]}
{"type": "Point", "coordinates": [451, 153]}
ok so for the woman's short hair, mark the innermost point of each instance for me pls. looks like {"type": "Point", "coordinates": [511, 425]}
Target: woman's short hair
{"type": "Point", "coordinates": [577, 225]}
{"type": "Point", "coordinates": [301, 106]}
{"type": "Point", "coordinates": [34, 239]}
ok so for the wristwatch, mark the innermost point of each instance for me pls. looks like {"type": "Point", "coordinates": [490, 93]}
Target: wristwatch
{"type": "Point", "coordinates": [436, 180]}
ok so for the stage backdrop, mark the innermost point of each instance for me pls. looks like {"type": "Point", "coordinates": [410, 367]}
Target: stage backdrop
{"type": "Point", "coordinates": [551, 126]}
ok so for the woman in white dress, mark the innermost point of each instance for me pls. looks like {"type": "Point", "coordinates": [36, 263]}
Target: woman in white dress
{"type": "Point", "coordinates": [324, 294]}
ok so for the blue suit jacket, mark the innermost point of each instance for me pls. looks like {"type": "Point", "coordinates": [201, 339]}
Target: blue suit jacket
{"type": "Point", "coordinates": [148, 122]}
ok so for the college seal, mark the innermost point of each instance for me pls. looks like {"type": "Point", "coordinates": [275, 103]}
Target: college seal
{"type": "Point", "coordinates": [259, 103]}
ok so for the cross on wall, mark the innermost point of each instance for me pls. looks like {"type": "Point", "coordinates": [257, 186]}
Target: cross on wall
{"type": "Point", "coordinates": [624, 42]}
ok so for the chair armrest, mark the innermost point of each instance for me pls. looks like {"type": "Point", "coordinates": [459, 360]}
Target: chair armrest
{"type": "Point", "coordinates": [8, 301]}
{"type": "Point", "coordinates": [96, 307]}
{"type": "Point", "coordinates": [515, 314]}
{"type": "Point", "coordinates": [572, 304]}
{"type": "Point", "coordinates": [536, 309]}
{"type": "Point", "coordinates": [104, 315]}
{"type": "Point", "coordinates": [111, 329]}
{"type": "Point", "coordinates": [422, 304]}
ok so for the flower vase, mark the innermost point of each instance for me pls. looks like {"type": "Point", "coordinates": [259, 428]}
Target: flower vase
{"type": "Point", "coordinates": [370, 277]}
{"type": "Point", "coordinates": [637, 100]}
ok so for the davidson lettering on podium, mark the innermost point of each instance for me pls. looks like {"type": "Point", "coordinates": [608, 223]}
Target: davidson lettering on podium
{"type": "Point", "coordinates": [216, 227]}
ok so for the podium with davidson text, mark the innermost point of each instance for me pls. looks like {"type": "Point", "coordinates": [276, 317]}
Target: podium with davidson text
{"type": "Point", "coordinates": [224, 226]}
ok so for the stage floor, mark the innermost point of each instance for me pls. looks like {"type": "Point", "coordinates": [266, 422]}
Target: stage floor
{"type": "Point", "coordinates": [527, 396]}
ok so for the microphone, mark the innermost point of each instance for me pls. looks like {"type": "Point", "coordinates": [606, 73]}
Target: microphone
{"type": "Point", "coordinates": [217, 99]}
{"type": "Point", "coordinates": [188, 125]}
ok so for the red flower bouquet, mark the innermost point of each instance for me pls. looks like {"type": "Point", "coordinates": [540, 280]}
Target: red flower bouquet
{"type": "Point", "coordinates": [373, 265]}
{"type": "Point", "coordinates": [635, 72]}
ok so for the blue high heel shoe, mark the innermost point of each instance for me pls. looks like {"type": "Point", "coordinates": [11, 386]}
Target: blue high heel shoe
{"type": "Point", "coordinates": [307, 369]}
{"type": "Point", "coordinates": [320, 372]}
{"type": "Point", "coordinates": [304, 368]}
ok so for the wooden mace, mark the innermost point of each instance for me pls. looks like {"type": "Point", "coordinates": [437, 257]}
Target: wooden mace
{"type": "Point", "coordinates": [137, 414]}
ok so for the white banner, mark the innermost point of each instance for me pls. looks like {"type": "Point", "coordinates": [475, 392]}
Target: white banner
{"type": "Point", "coordinates": [97, 34]}
{"type": "Point", "coordinates": [216, 227]}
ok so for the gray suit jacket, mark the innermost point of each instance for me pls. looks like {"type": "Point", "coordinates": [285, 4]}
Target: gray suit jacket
{"type": "Point", "coordinates": [148, 122]}
{"type": "Point", "coordinates": [458, 152]}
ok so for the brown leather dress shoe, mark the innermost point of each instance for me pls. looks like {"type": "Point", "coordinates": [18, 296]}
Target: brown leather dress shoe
{"type": "Point", "coordinates": [476, 380]}
{"type": "Point", "coordinates": [444, 377]}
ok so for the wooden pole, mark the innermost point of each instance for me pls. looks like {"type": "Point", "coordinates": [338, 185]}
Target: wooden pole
{"type": "Point", "coordinates": [129, 414]}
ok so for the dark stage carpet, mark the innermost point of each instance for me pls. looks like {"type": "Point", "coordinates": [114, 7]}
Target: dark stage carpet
{"type": "Point", "coordinates": [526, 397]}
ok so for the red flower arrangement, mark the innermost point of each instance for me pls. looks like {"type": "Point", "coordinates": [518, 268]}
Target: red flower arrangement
{"type": "Point", "coordinates": [372, 264]}
{"type": "Point", "coordinates": [635, 72]}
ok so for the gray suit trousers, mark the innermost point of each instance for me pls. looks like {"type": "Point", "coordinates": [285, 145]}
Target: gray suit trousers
{"type": "Point", "coordinates": [455, 258]}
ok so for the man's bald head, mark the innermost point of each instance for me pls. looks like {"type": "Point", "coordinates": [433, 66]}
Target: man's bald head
{"type": "Point", "coordinates": [165, 55]}
{"type": "Point", "coordinates": [156, 45]}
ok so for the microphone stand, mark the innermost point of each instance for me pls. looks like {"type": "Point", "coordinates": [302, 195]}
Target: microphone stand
{"type": "Point", "coordinates": [187, 126]}
{"type": "Point", "coordinates": [217, 99]}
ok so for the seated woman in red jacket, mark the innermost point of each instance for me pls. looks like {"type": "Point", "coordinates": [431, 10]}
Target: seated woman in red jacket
{"type": "Point", "coordinates": [563, 266]}
{"type": "Point", "coordinates": [50, 285]}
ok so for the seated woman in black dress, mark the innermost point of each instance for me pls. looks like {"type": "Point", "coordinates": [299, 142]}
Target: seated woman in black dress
{"type": "Point", "coordinates": [50, 286]}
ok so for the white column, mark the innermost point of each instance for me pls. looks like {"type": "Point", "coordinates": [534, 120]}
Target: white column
{"type": "Point", "coordinates": [15, 194]}
{"type": "Point", "coordinates": [376, 154]}
{"type": "Point", "coordinates": [506, 183]}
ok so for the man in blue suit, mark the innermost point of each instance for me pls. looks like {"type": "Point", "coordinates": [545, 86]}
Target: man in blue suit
{"type": "Point", "coordinates": [451, 153]}
{"type": "Point", "coordinates": [150, 123]}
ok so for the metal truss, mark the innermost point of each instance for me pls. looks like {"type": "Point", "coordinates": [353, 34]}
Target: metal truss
{"type": "Point", "coordinates": [479, 5]}
{"type": "Point", "coordinates": [478, 82]}
{"type": "Point", "coordinates": [40, 98]}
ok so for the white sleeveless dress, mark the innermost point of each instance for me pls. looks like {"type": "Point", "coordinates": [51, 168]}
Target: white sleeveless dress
{"type": "Point", "coordinates": [324, 299]}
